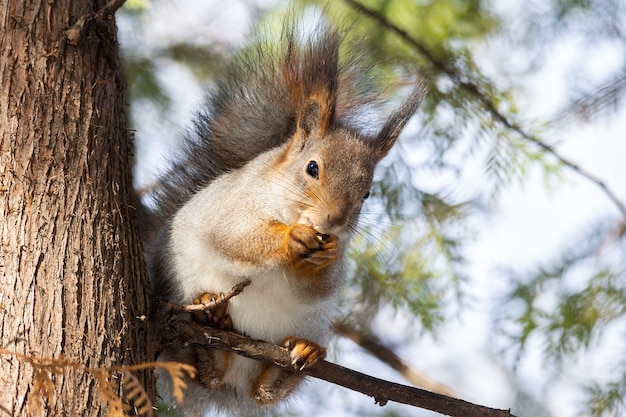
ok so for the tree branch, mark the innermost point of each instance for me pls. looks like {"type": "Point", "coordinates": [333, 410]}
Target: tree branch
{"type": "Point", "coordinates": [386, 355]}
{"type": "Point", "coordinates": [488, 104]}
{"type": "Point", "coordinates": [598, 100]}
{"type": "Point", "coordinates": [382, 391]}
{"type": "Point", "coordinates": [221, 300]}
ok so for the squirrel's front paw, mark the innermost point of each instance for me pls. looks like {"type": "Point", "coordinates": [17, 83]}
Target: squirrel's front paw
{"type": "Point", "coordinates": [311, 249]}
{"type": "Point", "coordinates": [303, 352]}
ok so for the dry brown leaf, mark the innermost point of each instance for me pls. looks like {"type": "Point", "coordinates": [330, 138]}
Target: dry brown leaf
{"type": "Point", "coordinates": [136, 394]}
{"type": "Point", "coordinates": [117, 408]}
{"type": "Point", "coordinates": [43, 387]}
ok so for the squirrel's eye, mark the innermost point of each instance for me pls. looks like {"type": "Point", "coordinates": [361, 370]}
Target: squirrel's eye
{"type": "Point", "coordinates": [366, 196]}
{"type": "Point", "coordinates": [313, 170]}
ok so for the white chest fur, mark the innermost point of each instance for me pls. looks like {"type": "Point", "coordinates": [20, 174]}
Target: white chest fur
{"type": "Point", "coordinates": [269, 309]}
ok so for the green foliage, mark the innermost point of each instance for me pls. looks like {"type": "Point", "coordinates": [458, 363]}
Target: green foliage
{"type": "Point", "coordinates": [143, 84]}
{"type": "Point", "coordinates": [589, 23]}
{"type": "Point", "coordinates": [576, 316]}
{"type": "Point", "coordinates": [136, 6]}
{"type": "Point", "coordinates": [608, 399]}
{"type": "Point", "coordinates": [410, 281]}
{"type": "Point", "coordinates": [567, 305]}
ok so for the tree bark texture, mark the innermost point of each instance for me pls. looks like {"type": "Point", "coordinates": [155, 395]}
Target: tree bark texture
{"type": "Point", "coordinates": [72, 280]}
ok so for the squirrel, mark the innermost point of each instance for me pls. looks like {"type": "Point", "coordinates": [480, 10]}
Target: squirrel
{"type": "Point", "coordinates": [269, 188]}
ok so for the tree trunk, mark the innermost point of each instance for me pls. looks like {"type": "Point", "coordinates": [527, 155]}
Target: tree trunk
{"type": "Point", "coordinates": [72, 279]}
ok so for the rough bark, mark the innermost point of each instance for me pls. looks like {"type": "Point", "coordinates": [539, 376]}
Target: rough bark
{"type": "Point", "coordinates": [72, 280]}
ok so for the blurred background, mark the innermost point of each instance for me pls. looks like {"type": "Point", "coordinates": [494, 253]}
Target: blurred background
{"type": "Point", "coordinates": [492, 255]}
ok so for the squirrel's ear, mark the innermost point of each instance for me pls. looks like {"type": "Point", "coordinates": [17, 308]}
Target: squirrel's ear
{"type": "Point", "coordinates": [315, 116]}
{"type": "Point", "coordinates": [396, 122]}
{"type": "Point", "coordinates": [309, 117]}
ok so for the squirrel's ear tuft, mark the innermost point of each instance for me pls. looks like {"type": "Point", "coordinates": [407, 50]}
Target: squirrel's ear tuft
{"type": "Point", "coordinates": [311, 70]}
{"type": "Point", "coordinates": [396, 122]}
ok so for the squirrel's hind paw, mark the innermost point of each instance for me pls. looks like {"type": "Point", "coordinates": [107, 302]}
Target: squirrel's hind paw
{"type": "Point", "coordinates": [212, 366]}
{"type": "Point", "coordinates": [216, 316]}
{"type": "Point", "coordinates": [274, 384]}
{"type": "Point", "coordinates": [303, 352]}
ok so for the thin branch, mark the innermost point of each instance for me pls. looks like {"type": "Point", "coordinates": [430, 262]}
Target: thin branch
{"type": "Point", "coordinates": [382, 391]}
{"type": "Point", "coordinates": [477, 93]}
{"type": "Point", "coordinates": [386, 355]}
{"type": "Point", "coordinates": [599, 99]}
{"type": "Point", "coordinates": [221, 300]}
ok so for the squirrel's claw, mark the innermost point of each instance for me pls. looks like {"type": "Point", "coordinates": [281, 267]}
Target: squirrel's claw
{"type": "Point", "coordinates": [303, 352]}
{"type": "Point", "coordinates": [309, 248]}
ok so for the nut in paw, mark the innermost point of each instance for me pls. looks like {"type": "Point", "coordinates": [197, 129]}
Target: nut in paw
{"type": "Point", "coordinates": [309, 247]}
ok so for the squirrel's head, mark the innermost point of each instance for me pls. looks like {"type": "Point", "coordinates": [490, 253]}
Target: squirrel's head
{"type": "Point", "coordinates": [334, 166]}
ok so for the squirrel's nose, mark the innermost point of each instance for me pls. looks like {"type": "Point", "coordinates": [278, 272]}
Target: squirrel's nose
{"type": "Point", "coordinates": [338, 218]}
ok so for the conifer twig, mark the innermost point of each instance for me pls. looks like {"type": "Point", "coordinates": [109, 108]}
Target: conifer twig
{"type": "Point", "coordinates": [475, 90]}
